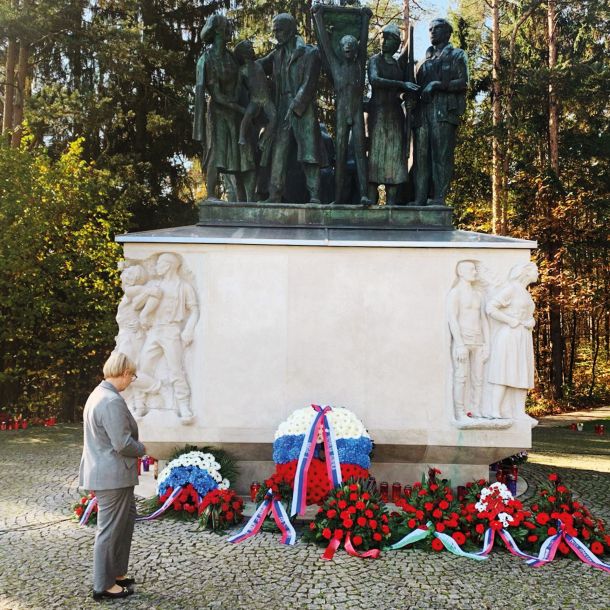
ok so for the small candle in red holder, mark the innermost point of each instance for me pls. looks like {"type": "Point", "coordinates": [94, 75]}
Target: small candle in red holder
{"type": "Point", "coordinates": [461, 492]}
{"type": "Point", "coordinates": [254, 487]}
{"type": "Point", "coordinates": [145, 463]}
{"type": "Point", "coordinates": [3, 425]}
{"type": "Point", "coordinates": [383, 490]}
{"type": "Point", "coordinates": [24, 424]}
{"type": "Point", "coordinates": [500, 475]}
{"type": "Point", "coordinates": [407, 491]}
{"type": "Point", "coordinates": [602, 430]}
{"type": "Point", "coordinates": [396, 489]}
{"type": "Point", "coordinates": [572, 426]}
{"type": "Point", "coordinates": [515, 471]}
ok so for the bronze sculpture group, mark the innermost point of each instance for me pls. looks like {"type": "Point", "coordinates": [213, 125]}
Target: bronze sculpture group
{"type": "Point", "coordinates": [257, 119]}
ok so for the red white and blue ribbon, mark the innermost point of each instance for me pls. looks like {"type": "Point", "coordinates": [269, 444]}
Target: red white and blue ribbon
{"type": "Point", "coordinates": [170, 500]}
{"type": "Point", "coordinates": [546, 554]}
{"type": "Point", "coordinates": [269, 504]}
{"type": "Point", "coordinates": [320, 422]}
{"type": "Point", "coordinates": [85, 516]}
{"type": "Point", "coordinates": [550, 545]}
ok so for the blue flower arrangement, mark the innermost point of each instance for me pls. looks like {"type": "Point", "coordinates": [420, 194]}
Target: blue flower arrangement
{"type": "Point", "coordinates": [351, 450]}
{"type": "Point", "coordinates": [199, 478]}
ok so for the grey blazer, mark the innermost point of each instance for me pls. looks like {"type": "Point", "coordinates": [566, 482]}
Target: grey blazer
{"type": "Point", "coordinates": [111, 445]}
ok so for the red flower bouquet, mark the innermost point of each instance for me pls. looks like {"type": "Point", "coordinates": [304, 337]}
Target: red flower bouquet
{"type": "Point", "coordinates": [492, 506]}
{"type": "Point", "coordinates": [81, 506]}
{"type": "Point", "coordinates": [353, 515]}
{"type": "Point", "coordinates": [431, 500]}
{"type": "Point", "coordinates": [185, 505]}
{"type": "Point", "coordinates": [318, 485]}
{"type": "Point", "coordinates": [220, 509]}
{"type": "Point", "coordinates": [554, 502]}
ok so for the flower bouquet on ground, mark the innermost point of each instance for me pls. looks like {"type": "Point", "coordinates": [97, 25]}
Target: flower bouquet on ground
{"type": "Point", "coordinates": [431, 505]}
{"type": "Point", "coordinates": [187, 479]}
{"type": "Point", "coordinates": [281, 487]}
{"type": "Point", "coordinates": [353, 516]}
{"type": "Point", "coordinates": [554, 503]}
{"type": "Point", "coordinates": [220, 509]}
{"type": "Point", "coordinates": [353, 445]}
{"type": "Point", "coordinates": [87, 506]}
{"type": "Point", "coordinates": [492, 507]}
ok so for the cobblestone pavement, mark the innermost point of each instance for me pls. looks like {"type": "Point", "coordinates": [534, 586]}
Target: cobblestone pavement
{"type": "Point", "coordinates": [45, 558]}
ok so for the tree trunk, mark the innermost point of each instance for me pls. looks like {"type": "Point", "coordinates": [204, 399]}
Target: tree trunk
{"type": "Point", "coordinates": [20, 93]}
{"type": "Point", "coordinates": [497, 182]}
{"type": "Point", "coordinates": [9, 87]}
{"type": "Point", "coordinates": [553, 253]}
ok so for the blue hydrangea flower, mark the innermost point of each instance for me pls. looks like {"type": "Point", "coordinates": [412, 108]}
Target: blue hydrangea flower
{"type": "Point", "coordinates": [351, 450]}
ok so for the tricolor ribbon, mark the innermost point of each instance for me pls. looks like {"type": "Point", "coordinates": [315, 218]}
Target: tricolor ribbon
{"type": "Point", "coordinates": [85, 516]}
{"type": "Point", "coordinates": [550, 545]}
{"type": "Point", "coordinates": [163, 508]}
{"type": "Point", "coordinates": [333, 466]}
{"type": "Point", "coordinates": [273, 505]}
{"type": "Point", "coordinates": [546, 555]}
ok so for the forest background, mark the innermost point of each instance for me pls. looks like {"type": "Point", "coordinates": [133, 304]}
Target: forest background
{"type": "Point", "coordinates": [96, 103]}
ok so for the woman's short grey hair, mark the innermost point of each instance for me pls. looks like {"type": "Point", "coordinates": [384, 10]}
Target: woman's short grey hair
{"type": "Point", "coordinates": [117, 365]}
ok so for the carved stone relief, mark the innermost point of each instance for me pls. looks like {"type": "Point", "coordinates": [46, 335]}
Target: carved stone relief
{"type": "Point", "coordinates": [492, 352]}
{"type": "Point", "coordinates": [157, 317]}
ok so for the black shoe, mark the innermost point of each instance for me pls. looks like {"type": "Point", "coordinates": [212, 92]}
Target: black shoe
{"type": "Point", "coordinates": [125, 582]}
{"type": "Point", "coordinates": [99, 595]}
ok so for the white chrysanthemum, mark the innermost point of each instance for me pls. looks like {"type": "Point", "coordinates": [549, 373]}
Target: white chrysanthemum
{"type": "Point", "coordinates": [344, 422]}
{"type": "Point", "coordinates": [198, 459]}
{"type": "Point", "coordinates": [505, 518]}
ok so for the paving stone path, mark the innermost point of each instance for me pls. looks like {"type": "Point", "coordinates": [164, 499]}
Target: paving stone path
{"type": "Point", "coordinates": [45, 557]}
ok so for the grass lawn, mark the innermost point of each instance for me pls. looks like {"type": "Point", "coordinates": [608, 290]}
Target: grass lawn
{"type": "Point", "coordinates": [564, 448]}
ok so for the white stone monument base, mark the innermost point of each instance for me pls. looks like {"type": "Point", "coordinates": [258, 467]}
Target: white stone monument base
{"type": "Point", "coordinates": [353, 318]}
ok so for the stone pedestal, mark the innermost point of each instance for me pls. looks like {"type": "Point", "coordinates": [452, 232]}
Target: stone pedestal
{"type": "Point", "coordinates": [349, 317]}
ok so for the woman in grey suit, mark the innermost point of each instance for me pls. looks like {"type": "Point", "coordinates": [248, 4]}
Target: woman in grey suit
{"type": "Point", "coordinates": [109, 467]}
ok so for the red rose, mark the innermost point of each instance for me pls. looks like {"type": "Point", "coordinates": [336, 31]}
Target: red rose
{"type": "Point", "coordinates": [366, 496]}
{"type": "Point", "coordinates": [564, 548]}
{"type": "Point", "coordinates": [429, 505]}
{"type": "Point", "coordinates": [553, 477]}
{"type": "Point", "coordinates": [342, 504]}
{"type": "Point", "coordinates": [535, 508]}
{"type": "Point", "coordinates": [551, 531]}
{"type": "Point", "coordinates": [312, 526]}
{"type": "Point", "coordinates": [326, 533]}
{"type": "Point", "coordinates": [562, 489]}
{"type": "Point", "coordinates": [224, 507]}
{"type": "Point", "coordinates": [353, 487]}
{"type": "Point", "coordinates": [368, 513]}
{"type": "Point", "coordinates": [357, 540]}
{"type": "Point", "coordinates": [437, 514]}
{"type": "Point", "coordinates": [83, 500]}
{"type": "Point", "coordinates": [416, 484]}
{"type": "Point", "coordinates": [419, 515]}
{"type": "Point", "coordinates": [348, 524]}
{"type": "Point", "coordinates": [453, 523]}
{"type": "Point", "coordinates": [177, 506]}
{"type": "Point", "coordinates": [385, 529]}
{"type": "Point", "coordinates": [529, 525]}
{"type": "Point", "coordinates": [377, 536]}
{"type": "Point", "coordinates": [360, 505]}
{"type": "Point", "coordinates": [411, 523]}
{"type": "Point", "coordinates": [443, 504]}
{"type": "Point", "coordinates": [586, 534]}
{"type": "Point", "coordinates": [353, 497]}
{"type": "Point", "coordinates": [230, 516]}
{"type": "Point", "coordinates": [361, 521]}
{"type": "Point", "coordinates": [542, 518]}
{"type": "Point", "coordinates": [480, 528]}
{"type": "Point", "coordinates": [532, 538]}
{"type": "Point", "coordinates": [373, 524]}
{"type": "Point", "coordinates": [351, 510]}
{"type": "Point", "coordinates": [384, 518]}
{"type": "Point", "coordinates": [552, 499]}
{"type": "Point", "coordinates": [236, 505]}
{"type": "Point", "coordinates": [597, 548]}
{"type": "Point", "coordinates": [433, 487]}
{"type": "Point", "coordinates": [338, 534]}
{"type": "Point", "coordinates": [422, 492]}
{"type": "Point", "coordinates": [79, 511]}
{"type": "Point", "coordinates": [437, 545]}
{"type": "Point", "coordinates": [440, 527]}
{"type": "Point", "coordinates": [458, 537]}
{"type": "Point", "coordinates": [331, 514]}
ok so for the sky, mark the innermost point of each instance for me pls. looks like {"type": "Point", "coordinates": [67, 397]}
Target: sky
{"type": "Point", "coordinates": [433, 8]}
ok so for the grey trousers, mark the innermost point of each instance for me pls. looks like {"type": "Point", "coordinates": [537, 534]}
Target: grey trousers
{"type": "Point", "coordinates": [115, 520]}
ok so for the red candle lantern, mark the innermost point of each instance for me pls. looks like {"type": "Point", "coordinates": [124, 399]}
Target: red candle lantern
{"type": "Point", "coordinates": [461, 492]}
{"type": "Point", "coordinates": [601, 430]}
{"type": "Point", "coordinates": [573, 427]}
{"type": "Point", "coordinates": [24, 424]}
{"type": "Point", "coordinates": [396, 489]}
{"type": "Point", "coordinates": [254, 488]}
{"type": "Point", "coordinates": [408, 491]}
{"type": "Point", "coordinates": [3, 425]}
{"type": "Point", "coordinates": [500, 475]}
{"type": "Point", "coordinates": [383, 490]}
